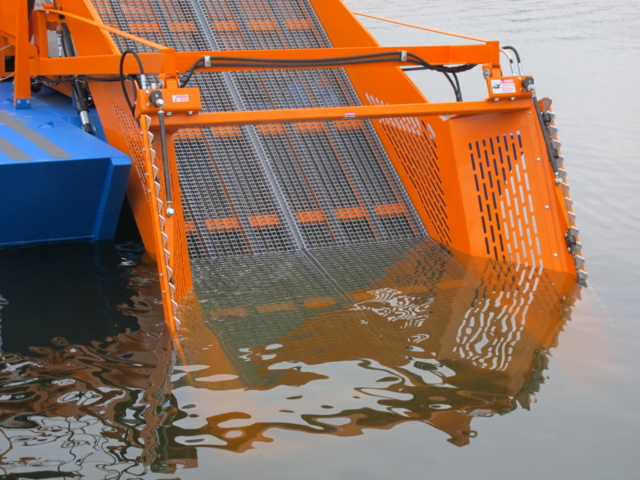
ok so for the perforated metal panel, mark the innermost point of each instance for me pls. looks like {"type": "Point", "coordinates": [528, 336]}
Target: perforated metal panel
{"type": "Point", "coordinates": [131, 131]}
{"type": "Point", "coordinates": [281, 187]}
{"type": "Point", "coordinates": [505, 201]}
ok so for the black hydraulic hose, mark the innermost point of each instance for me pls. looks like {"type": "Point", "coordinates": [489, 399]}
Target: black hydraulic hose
{"type": "Point", "coordinates": [514, 51]}
{"type": "Point", "coordinates": [455, 76]}
{"type": "Point", "coordinates": [123, 78]}
{"type": "Point", "coordinates": [455, 84]}
{"type": "Point", "coordinates": [520, 70]}
{"type": "Point", "coordinates": [82, 104]}
{"type": "Point", "coordinates": [401, 56]}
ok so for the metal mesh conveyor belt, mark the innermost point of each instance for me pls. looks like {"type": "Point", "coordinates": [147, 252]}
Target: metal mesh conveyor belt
{"type": "Point", "coordinates": [284, 187]}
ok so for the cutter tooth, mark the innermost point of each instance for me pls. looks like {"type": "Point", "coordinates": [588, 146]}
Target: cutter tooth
{"type": "Point", "coordinates": [553, 131]}
{"type": "Point", "coordinates": [165, 239]}
{"type": "Point", "coordinates": [579, 262]}
{"type": "Point", "coordinates": [568, 202]}
{"type": "Point", "coordinates": [577, 248]}
{"type": "Point", "coordinates": [582, 275]}
{"type": "Point", "coordinates": [555, 144]}
{"type": "Point", "coordinates": [565, 189]}
{"type": "Point", "coordinates": [572, 218]}
{"type": "Point", "coordinates": [562, 173]}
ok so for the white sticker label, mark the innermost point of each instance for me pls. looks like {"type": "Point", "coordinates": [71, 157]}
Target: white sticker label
{"type": "Point", "coordinates": [503, 85]}
{"type": "Point", "coordinates": [350, 115]}
{"type": "Point", "coordinates": [180, 98]}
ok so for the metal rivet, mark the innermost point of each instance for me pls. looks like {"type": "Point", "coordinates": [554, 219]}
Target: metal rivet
{"type": "Point", "coordinates": [529, 113]}
{"type": "Point", "coordinates": [148, 104]}
{"type": "Point", "coordinates": [538, 159]}
{"type": "Point", "coordinates": [555, 255]}
{"type": "Point", "coordinates": [546, 207]}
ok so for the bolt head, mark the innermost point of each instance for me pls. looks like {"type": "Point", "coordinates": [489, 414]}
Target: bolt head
{"type": "Point", "coordinates": [486, 73]}
{"type": "Point", "coordinates": [148, 104]}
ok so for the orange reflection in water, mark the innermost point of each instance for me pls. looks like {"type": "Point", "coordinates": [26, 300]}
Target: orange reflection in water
{"type": "Point", "coordinates": [330, 342]}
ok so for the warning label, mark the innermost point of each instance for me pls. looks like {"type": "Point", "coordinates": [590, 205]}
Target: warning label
{"type": "Point", "coordinates": [503, 85]}
{"type": "Point", "coordinates": [180, 98]}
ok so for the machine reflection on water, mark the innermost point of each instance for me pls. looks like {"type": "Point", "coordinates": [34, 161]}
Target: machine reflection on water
{"type": "Point", "coordinates": [331, 341]}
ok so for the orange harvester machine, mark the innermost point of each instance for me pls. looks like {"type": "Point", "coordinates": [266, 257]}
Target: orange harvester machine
{"type": "Point", "coordinates": [257, 126]}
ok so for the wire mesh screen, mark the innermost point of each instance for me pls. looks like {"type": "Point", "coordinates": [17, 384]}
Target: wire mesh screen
{"type": "Point", "coordinates": [270, 188]}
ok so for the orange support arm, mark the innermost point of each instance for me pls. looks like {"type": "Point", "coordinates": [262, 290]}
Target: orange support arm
{"type": "Point", "coordinates": [156, 63]}
{"type": "Point", "coordinates": [219, 119]}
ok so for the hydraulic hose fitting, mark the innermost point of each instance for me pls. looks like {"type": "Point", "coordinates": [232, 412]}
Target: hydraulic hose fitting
{"type": "Point", "coordinates": [156, 98]}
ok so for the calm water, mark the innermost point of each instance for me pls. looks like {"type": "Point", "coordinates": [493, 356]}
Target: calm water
{"type": "Point", "coordinates": [371, 362]}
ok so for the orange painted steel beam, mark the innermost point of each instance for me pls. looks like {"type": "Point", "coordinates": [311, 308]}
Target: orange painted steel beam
{"type": "Point", "coordinates": [258, 117]}
{"type": "Point", "coordinates": [155, 62]}
{"type": "Point", "coordinates": [22, 80]}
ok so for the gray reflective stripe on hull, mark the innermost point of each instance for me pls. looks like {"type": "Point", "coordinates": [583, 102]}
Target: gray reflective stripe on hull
{"type": "Point", "coordinates": [13, 152]}
{"type": "Point", "coordinates": [34, 137]}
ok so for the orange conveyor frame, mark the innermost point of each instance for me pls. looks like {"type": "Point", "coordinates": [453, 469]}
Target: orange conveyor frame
{"type": "Point", "coordinates": [451, 157]}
